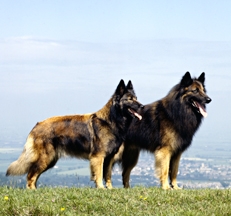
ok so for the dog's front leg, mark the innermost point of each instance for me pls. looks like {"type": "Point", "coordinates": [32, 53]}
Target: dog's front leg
{"type": "Point", "coordinates": [96, 166]}
{"type": "Point", "coordinates": [162, 161]}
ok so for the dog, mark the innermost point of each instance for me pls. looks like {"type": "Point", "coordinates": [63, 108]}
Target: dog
{"type": "Point", "coordinates": [166, 130]}
{"type": "Point", "coordinates": [89, 136]}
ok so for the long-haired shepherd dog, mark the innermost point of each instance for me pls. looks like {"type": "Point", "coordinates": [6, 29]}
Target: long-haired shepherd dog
{"type": "Point", "coordinates": [167, 129]}
{"type": "Point", "coordinates": [89, 136]}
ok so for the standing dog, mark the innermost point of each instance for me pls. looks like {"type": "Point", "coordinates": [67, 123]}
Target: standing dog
{"type": "Point", "coordinates": [167, 129]}
{"type": "Point", "coordinates": [90, 136]}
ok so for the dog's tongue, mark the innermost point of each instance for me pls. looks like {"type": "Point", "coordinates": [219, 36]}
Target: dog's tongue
{"type": "Point", "coordinates": [138, 115]}
{"type": "Point", "coordinates": [202, 110]}
{"type": "Point", "coordinates": [135, 113]}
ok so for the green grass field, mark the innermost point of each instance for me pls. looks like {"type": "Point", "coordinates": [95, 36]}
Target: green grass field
{"type": "Point", "coordinates": [134, 201]}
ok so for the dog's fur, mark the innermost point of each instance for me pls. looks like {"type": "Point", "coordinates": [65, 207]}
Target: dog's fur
{"type": "Point", "coordinates": [167, 129]}
{"type": "Point", "coordinates": [89, 136]}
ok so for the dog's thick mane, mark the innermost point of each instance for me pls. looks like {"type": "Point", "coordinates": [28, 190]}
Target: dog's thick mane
{"type": "Point", "coordinates": [180, 114]}
{"type": "Point", "coordinates": [112, 114]}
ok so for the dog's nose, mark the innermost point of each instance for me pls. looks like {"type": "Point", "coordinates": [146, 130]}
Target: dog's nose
{"type": "Point", "coordinates": [208, 100]}
{"type": "Point", "coordinates": [141, 106]}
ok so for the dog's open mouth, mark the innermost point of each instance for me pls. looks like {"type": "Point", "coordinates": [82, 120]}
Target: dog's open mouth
{"type": "Point", "coordinates": [200, 108]}
{"type": "Point", "coordinates": [135, 113]}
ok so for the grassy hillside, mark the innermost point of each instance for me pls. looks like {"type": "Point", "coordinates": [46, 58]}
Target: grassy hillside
{"type": "Point", "coordinates": [135, 201]}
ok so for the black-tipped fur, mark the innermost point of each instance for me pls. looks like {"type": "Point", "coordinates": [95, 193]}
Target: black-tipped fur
{"type": "Point", "coordinates": [90, 136]}
{"type": "Point", "coordinates": [167, 129]}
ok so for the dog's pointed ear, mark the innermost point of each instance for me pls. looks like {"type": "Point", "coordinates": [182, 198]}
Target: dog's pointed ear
{"type": "Point", "coordinates": [120, 88]}
{"type": "Point", "coordinates": [186, 80]}
{"type": "Point", "coordinates": [129, 85]}
{"type": "Point", "coordinates": [201, 78]}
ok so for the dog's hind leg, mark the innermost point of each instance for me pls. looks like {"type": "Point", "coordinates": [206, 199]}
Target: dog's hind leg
{"type": "Point", "coordinates": [44, 162]}
{"type": "Point", "coordinates": [96, 166]}
{"type": "Point", "coordinates": [36, 170]}
{"type": "Point", "coordinates": [173, 170]}
{"type": "Point", "coordinates": [162, 161]}
{"type": "Point", "coordinates": [129, 160]}
{"type": "Point", "coordinates": [32, 177]}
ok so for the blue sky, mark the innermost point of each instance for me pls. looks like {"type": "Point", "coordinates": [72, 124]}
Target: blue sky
{"type": "Point", "coordinates": [66, 57]}
{"type": "Point", "coordinates": [115, 21]}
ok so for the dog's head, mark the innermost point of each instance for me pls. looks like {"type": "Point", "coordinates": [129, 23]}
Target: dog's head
{"type": "Point", "coordinates": [194, 93]}
{"type": "Point", "coordinates": [125, 98]}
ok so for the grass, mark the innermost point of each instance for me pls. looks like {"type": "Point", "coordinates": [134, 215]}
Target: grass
{"type": "Point", "coordinates": [135, 201]}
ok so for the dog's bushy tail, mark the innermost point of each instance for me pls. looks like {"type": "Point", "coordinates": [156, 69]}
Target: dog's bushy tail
{"type": "Point", "coordinates": [22, 165]}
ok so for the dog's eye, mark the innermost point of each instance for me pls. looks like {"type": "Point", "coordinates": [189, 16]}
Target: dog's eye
{"type": "Point", "coordinates": [195, 90]}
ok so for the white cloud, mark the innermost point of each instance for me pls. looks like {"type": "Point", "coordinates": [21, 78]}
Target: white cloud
{"type": "Point", "coordinates": [38, 64]}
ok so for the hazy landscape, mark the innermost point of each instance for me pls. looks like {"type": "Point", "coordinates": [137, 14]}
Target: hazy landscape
{"type": "Point", "coordinates": [202, 166]}
{"type": "Point", "coordinates": [61, 58]}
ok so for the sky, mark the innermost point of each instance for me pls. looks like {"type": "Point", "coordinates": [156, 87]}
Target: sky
{"type": "Point", "coordinates": [67, 57]}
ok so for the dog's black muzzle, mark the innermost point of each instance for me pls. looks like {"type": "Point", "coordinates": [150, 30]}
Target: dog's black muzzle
{"type": "Point", "coordinates": [208, 100]}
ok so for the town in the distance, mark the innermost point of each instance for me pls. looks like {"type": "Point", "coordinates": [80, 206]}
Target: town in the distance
{"type": "Point", "coordinates": [201, 166]}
